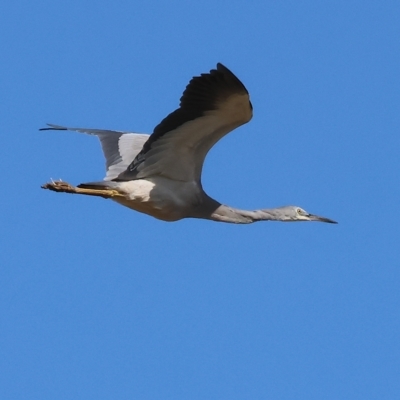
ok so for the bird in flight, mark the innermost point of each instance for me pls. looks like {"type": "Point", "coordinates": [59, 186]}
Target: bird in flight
{"type": "Point", "coordinates": [160, 174]}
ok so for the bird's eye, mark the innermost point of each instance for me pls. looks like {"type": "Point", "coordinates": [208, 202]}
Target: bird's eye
{"type": "Point", "coordinates": [299, 211]}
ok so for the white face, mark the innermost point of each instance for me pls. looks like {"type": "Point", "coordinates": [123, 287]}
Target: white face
{"type": "Point", "coordinates": [301, 214]}
{"type": "Point", "coordinates": [293, 214]}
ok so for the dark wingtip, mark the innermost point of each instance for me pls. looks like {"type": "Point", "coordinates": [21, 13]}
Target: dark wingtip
{"type": "Point", "coordinates": [221, 67]}
{"type": "Point", "coordinates": [224, 70]}
{"type": "Point", "coordinates": [51, 127]}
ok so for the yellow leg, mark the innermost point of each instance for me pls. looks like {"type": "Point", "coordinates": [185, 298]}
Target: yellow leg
{"type": "Point", "coordinates": [61, 186]}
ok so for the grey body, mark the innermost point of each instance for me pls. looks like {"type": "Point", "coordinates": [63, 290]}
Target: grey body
{"type": "Point", "coordinates": [160, 174]}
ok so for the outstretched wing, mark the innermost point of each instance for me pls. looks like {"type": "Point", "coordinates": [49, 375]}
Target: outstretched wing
{"type": "Point", "coordinates": [119, 148]}
{"type": "Point", "coordinates": [212, 105]}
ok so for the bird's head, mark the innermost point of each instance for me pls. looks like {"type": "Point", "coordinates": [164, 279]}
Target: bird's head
{"type": "Point", "coordinates": [295, 213]}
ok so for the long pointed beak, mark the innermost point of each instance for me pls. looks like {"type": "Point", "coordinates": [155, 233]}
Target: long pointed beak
{"type": "Point", "coordinates": [321, 219]}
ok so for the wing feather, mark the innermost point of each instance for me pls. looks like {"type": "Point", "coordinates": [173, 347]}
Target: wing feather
{"type": "Point", "coordinates": [211, 106]}
{"type": "Point", "coordinates": [119, 148]}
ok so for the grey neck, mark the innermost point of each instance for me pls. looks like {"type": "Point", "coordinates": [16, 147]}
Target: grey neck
{"type": "Point", "coordinates": [236, 216]}
{"type": "Point", "coordinates": [208, 208]}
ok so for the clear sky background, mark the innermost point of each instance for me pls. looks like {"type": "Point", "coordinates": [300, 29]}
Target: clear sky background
{"type": "Point", "coordinates": [100, 302]}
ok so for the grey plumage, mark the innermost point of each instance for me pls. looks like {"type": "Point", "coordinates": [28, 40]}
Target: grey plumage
{"type": "Point", "coordinates": [119, 147]}
{"type": "Point", "coordinates": [160, 174]}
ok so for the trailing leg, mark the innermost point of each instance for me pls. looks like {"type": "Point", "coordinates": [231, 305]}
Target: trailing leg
{"type": "Point", "coordinates": [64, 187]}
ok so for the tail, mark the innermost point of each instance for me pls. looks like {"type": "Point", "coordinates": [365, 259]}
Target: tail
{"type": "Point", "coordinates": [119, 148]}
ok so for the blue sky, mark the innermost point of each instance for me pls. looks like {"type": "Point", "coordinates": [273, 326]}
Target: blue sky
{"type": "Point", "coordinates": [100, 302]}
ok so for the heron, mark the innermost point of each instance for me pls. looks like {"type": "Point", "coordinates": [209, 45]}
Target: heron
{"type": "Point", "coordinates": [160, 174]}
